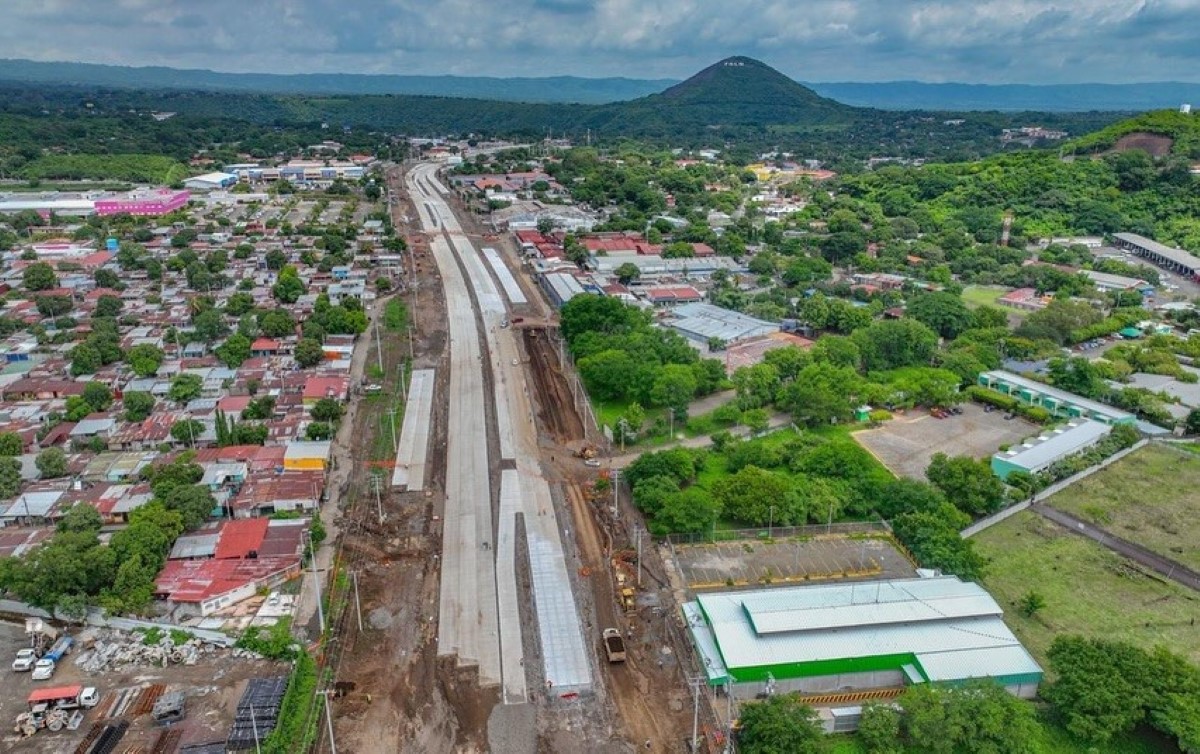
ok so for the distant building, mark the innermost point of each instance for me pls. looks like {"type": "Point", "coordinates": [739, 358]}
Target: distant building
{"type": "Point", "coordinates": [700, 321]}
{"type": "Point", "coordinates": [153, 203]}
{"type": "Point", "coordinates": [1175, 260]}
{"type": "Point", "coordinates": [1057, 402]}
{"type": "Point", "coordinates": [210, 181]}
{"type": "Point", "coordinates": [1039, 454]}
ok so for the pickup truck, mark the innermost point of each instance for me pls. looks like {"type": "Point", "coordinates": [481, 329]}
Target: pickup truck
{"type": "Point", "coordinates": [614, 645]}
{"type": "Point", "coordinates": [24, 660]}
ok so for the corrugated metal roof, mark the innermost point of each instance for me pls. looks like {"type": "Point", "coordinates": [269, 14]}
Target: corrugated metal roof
{"type": "Point", "coordinates": [955, 623]}
{"type": "Point", "coordinates": [1103, 409]}
{"type": "Point", "coordinates": [1061, 443]}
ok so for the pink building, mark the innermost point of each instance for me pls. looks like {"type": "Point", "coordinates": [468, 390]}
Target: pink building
{"type": "Point", "coordinates": [144, 203]}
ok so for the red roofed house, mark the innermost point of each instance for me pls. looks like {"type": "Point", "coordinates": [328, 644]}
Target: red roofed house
{"type": "Point", "coordinates": [241, 538]}
{"type": "Point", "coordinates": [264, 347]}
{"type": "Point", "coordinates": [202, 587]}
{"type": "Point", "coordinates": [316, 388]}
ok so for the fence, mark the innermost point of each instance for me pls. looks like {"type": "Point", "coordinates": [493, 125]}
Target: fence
{"type": "Point", "coordinates": [779, 532]}
{"type": "Point", "coordinates": [96, 617]}
{"type": "Point", "coordinates": [1058, 486]}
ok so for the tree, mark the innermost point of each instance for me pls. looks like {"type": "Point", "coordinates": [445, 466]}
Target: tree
{"type": "Point", "coordinates": [318, 431]}
{"type": "Point", "coordinates": [209, 326]}
{"type": "Point", "coordinates": [756, 385]}
{"type": "Point", "coordinates": [277, 323]}
{"type": "Point", "coordinates": [193, 502]}
{"type": "Point", "coordinates": [144, 359]}
{"type": "Point", "coordinates": [944, 313]}
{"type": "Point", "coordinates": [780, 725]}
{"type": "Point", "coordinates": [966, 482]}
{"type": "Point", "coordinates": [53, 306]}
{"type": "Point", "coordinates": [97, 396]}
{"type": "Point", "coordinates": [1076, 375]}
{"type": "Point", "coordinates": [609, 375]}
{"type": "Point", "coordinates": [891, 344]}
{"type": "Point", "coordinates": [309, 352]}
{"type": "Point", "coordinates": [108, 306]}
{"type": "Point", "coordinates": [821, 393]}
{"type": "Point", "coordinates": [604, 314]}
{"type": "Point", "coordinates": [187, 431]}
{"type": "Point", "coordinates": [758, 497]}
{"type": "Point", "coordinates": [288, 287]}
{"type": "Point", "coordinates": [986, 317]}
{"type": "Point", "coordinates": [138, 405]}
{"type": "Point", "coordinates": [10, 477]}
{"type": "Point", "coordinates": [51, 463]}
{"type": "Point", "coordinates": [925, 386]}
{"type": "Point", "coordinates": [275, 259]}
{"type": "Point", "coordinates": [39, 277]}
{"type": "Point", "coordinates": [674, 387]}
{"type": "Point", "coordinates": [106, 278]}
{"type": "Point", "coordinates": [627, 273]}
{"type": "Point", "coordinates": [1103, 687]}
{"type": "Point", "coordinates": [327, 410]}
{"type": "Point", "coordinates": [239, 303]}
{"type": "Point", "coordinates": [978, 717]}
{"type": "Point", "coordinates": [932, 536]}
{"type": "Point", "coordinates": [11, 444]}
{"type": "Point", "coordinates": [234, 351]}
{"type": "Point", "coordinates": [1032, 603]}
{"type": "Point", "coordinates": [185, 387]}
{"type": "Point", "coordinates": [879, 729]}
{"type": "Point", "coordinates": [80, 517]}
{"type": "Point", "coordinates": [1192, 424]}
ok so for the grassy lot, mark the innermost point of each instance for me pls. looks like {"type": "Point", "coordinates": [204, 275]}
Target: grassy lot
{"type": "Point", "coordinates": [1149, 497]}
{"type": "Point", "coordinates": [978, 295]}
{"type": "Point", "coordinates": [1088, 590]}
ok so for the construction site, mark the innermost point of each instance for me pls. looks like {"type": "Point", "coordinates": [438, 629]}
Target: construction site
{"type": "Point", "coordinates": [468, 599]}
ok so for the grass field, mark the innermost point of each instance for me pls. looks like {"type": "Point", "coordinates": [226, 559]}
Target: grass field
{"type": "Point", "coordinates": [978, 295]}
{"type": "Point", "coordinates": [1149, 497]}
{"type": "Point", "coordinates": [1054, 740]}
{"type": "Point", "coordinates": [1088, 590]}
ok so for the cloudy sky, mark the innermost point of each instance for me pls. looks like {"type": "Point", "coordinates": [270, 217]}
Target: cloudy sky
{"type": "Point", "coordinates": [989, 41]}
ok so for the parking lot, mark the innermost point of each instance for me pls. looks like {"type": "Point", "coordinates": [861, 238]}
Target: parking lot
{"type": "Point", "coordinates": [212, 687]}
{"type": "Point", "coordinates": [790, 562]}
{"type": "Point", "coordinates": [907, 442]}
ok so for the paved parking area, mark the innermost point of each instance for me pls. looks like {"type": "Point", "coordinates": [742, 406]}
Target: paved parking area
{"type": "Point", "coordinates": [790, 561]}
{"type": "Point", "coordinates": [907, 442]}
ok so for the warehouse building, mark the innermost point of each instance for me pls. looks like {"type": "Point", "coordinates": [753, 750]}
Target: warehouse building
{"type": "Point", "coordinates": [1038, 454]}
{"type": "Point", "coordinates": [1176, 260]}
{"type": "Point", "coordinates": [700, 321]}
{"type": "Point", "coordinates": [1057, 402]}
{"type": "Point", "coordinates": [861, 637]}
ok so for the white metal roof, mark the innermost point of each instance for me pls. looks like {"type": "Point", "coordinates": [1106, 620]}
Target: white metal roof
{"type": "Point", "coordinates": [1179, 256]}
{"type": "Point", "coordinates": [1039, 454]}
{"type": "Point", "coordinates": [1103, 409]}
{"type": "Point", "coordinates": [954, 623]}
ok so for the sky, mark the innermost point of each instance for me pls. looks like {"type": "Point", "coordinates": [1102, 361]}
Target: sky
{"type": "Point", "coordinates": [976, 41]}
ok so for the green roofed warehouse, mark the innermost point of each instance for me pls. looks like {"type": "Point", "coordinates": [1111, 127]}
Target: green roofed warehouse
{"type": "Point", "coordinates": [853, 637]}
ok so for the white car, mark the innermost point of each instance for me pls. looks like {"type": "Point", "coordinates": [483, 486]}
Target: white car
{"type": "Point", "coordinates": [25, 660]}
{"type": "Point", "coordinates": [43, 669]}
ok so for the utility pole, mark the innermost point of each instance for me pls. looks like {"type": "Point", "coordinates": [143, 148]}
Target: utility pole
{"type": "Point", "coordinates": [695, 682]}
{"type": "Point", "coordinates": [376, 483]}
{"type": "Point", "coordinates": [312, 555]}
{"type": "Point", "coordinates": [357, 603]}
{"type": "Point", "coordinates": [639, 557]}
{"type": "Point", "coordinates": [329, 721]}
{"type": "Point", "coordinates": [616, 485]}
{"type": "Point", "coordinates": [771, 522]}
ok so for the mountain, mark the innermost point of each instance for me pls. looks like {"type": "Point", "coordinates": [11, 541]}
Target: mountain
{"type": "Point", "coordinates": [550, 89]}
{"type": "Point", "coordinates": [910, 95]}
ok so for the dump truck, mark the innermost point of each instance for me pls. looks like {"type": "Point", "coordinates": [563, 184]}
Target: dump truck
{"type": "Point", "coordinates": [614, 645]}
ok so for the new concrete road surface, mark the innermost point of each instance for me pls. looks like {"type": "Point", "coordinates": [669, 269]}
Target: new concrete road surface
{"type": "Point", "coordinates": [522, 491]}
{"type": "Point", "coordinates": [467, 624]}
{"type": "Point", "coordinates": [414, 433]}
{"type": "Point", "coordinates": [507, 281]}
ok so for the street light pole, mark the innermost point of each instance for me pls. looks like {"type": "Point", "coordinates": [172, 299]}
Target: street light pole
{"type": "Point", "coordinates": [771, 522]}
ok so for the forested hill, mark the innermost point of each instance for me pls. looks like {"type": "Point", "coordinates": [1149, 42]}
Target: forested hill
{"type": "Point", "coordinates": [537, 89]}
{"type": "Point", "coordinates": [737, 102]}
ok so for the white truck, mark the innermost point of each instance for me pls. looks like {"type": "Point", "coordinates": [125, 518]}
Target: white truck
{"type": "Point", "coordinates": [24, 660]}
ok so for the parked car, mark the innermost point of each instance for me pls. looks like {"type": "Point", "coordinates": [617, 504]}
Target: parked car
{"type": "Point", "coordinates": [25, 660]}
{"type": "Point", "coordinates": [43, 669]}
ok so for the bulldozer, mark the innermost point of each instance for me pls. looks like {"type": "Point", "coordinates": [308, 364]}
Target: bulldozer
{"type": "Point", "coordinates": [41, 716]}
{"type": "Point", "coordinates": [586, 451]}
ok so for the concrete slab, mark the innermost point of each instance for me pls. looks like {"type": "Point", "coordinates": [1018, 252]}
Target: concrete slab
{"type": "Point", "coordinates": [507, 281]}
{"type": "Point", "coordinates": [414, 433]}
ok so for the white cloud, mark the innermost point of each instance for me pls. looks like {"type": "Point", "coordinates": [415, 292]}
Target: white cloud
{"type": "Point", "coordinates": [818, 40]}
